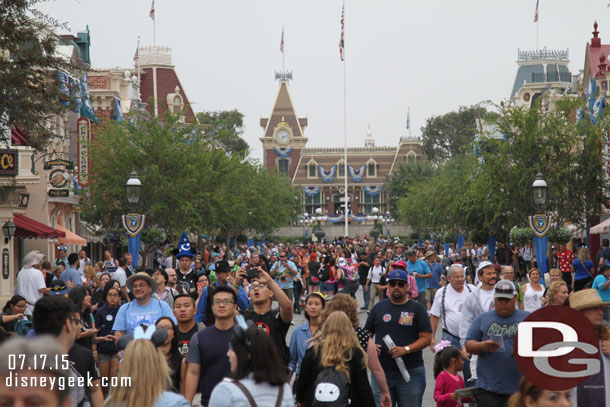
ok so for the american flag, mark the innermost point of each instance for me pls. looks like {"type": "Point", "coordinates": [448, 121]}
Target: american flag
{"type": "Point", "coordinates": [282, 42]}
{"type": "Point", "coordinates": [536, 15]}
{"type": "Point", "coordinates": [152, 10]}
{"type": "Point", "coordinates": [342, 43]}
{"type": "Point", "coordinates": [136, 57]}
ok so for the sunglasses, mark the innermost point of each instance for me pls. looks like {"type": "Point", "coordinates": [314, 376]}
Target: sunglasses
{"type": "Point", "coordinates": [400, 284]}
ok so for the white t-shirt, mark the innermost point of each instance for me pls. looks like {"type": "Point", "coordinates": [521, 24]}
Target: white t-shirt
{"type": "Point", "coordinates": [29, 281]}
{"type": "Point", "coordinates": [486, 299]}
{"type": "Point", "coordinates": [453, 306]}
{"type": "Point", "coordinates": [375, 274]}
{"type": "Point", "coordinates": [120, 276]}
{"type": "Point", "coordinates": [532, 300]}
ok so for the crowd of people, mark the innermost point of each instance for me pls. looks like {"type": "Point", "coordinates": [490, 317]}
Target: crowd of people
{"type": "Point", "coordinates": [210, 327]}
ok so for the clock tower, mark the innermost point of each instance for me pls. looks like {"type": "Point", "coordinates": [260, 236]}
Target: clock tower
{"type": "Point", "coordinates": [283, 136]}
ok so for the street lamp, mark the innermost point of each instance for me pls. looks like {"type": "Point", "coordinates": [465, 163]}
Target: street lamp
{"type": "Point", "coordinates": [539, 188]}
{"type": "Point", "coordinates": [8, 229]}
{"type": "Point", "coordinates": [133, 189]}
{"type": "Point", "coordinates": [319, 217]}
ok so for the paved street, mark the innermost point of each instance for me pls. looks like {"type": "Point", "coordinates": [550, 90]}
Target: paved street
{"type": "Point", "coordinates": [428, 355]}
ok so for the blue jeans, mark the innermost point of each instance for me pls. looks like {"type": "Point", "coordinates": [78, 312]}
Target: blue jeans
{"type": "Point", "coordinates": [403, 394]}
{"type": "Point", "coordinates": [366, 295]}
{"type": "Point", "coordinates": [455, 341]}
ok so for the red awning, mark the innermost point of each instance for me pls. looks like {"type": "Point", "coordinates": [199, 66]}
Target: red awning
{"type": "Point", "coordinates": [30, 228]}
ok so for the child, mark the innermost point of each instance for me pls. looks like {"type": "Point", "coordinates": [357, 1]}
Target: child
{"type": "Point", "coordinates": [447, 363]}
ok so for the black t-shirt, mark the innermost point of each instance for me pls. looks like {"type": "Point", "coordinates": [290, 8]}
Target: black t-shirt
{"type": "Point", "coordinates": [403, 323]}
{"type": "Point", "coordinates": [184, 338]}
{"type": "Point", "coordinates": [363, 271]}
{"type": "Point", "coordinates": [84, 364]}
{"type": "Point", "coordinates": [175, 363]}
{"type": "Point", "coordinates": [274, 325]}
{"type": "Point", "coordinates": [187, 281]}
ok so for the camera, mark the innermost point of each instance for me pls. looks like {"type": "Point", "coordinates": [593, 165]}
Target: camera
{"type": "Point", "coordinates": [251, 273]}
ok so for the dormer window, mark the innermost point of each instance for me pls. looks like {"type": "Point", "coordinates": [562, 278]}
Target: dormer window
{"type": "Point", "coordinates": [312, 169]}
{"type": "Point", "coordinates": [371, 168]}
{"type": "Point", "coordinates": [175, 102]}
{"type": "Point", "coordinates": [341, 169]}
{"type": "Point", "coordinates": [411, 157]}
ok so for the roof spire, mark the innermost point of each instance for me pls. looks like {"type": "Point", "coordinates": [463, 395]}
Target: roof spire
{"type": "Point", "coordinates": [596, 42]}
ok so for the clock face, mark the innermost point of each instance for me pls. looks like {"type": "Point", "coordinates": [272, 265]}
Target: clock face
{"type": "Point", "coordinates": [283, 136]}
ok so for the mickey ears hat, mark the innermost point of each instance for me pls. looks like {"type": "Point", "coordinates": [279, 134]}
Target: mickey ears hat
{"type": "Point", "coordinates": [184, 247]}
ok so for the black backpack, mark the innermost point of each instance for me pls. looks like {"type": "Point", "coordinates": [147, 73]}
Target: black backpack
{"type": "Point", "coordinates": [331, 389]}
{"type": "Point", "coordinates": [325, 273]}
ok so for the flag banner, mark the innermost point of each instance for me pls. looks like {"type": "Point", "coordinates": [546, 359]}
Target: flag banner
{"type": "Point", "coordinates": [311, 191]}
{"type": "Point", "coordinates": [356, 173]}
{"type": "Point", "coordinates": [152, 10]}
{"type": "Point", "coordinates": [536, 15]}
{"type": "Point", "coordinates": [341, 42]}
{"type": "Point", "coordinates": [283, 152]}
{"type": "Point", "coordinates": [282, 42]}
{"type": "Point", "coordinates": [540, 245]}
{"type": "Point", "coordinates": [327, 176]}
{"type": "Point", "coordinates": [539, 224]}
{"type": "Point", "coordinates": [372, 190]}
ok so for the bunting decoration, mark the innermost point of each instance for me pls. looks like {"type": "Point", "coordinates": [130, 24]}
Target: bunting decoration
{"type": "Point", "coordinates": [341, 218]}
{"type": "Point", "coordinates": [359, 218]}
{"type": "Point", "coordinates": [327, 176]}
{"type": "Point", "coordinates": [311, 191]}
{"type": "Point", "coordinates": [283, 152]}
{"type": "Point", "coordinates": [373, 190]}
{"type": "Point", "coordinates": [357, 174]}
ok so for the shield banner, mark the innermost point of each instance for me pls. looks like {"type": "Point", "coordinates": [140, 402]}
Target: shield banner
{"type": "Point", "coordinates": [133, 223]}
{"type": "Point", "coordinates": [539, 224]}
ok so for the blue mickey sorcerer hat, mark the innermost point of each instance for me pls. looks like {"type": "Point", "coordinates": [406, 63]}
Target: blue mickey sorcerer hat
{"type": "Point", "coordinates": [184, 247]}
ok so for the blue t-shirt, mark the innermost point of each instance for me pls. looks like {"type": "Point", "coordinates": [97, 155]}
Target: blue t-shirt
{"type": "Point", "coordinates": [497, 372]}
{"type": "Point", "coordinates": [581, 271]}
{"type": "Point", "coordinates": [71, 274]}
{"type": "Point", "coordinates": [598, 284]}
{"type": "Point", "coordinates": [435, 281]}
{"type": "Point", "coordinates": [420, 267]}
{"type": "Point", "coordinates": [403, 323]}
{"type": "Point", "coordinates": [131, 315]}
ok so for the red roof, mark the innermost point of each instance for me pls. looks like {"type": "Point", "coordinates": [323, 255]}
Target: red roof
{"type": "Point", "coordinates": [18, 137]}
{"type": "Point", "coordinates": [595, 50]}
{"type": "Point", "coordinates": [27, 227]}
{"type": "Point", "coordinates": [167, 80]}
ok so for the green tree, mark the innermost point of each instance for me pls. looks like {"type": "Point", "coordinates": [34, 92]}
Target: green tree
{"type": "Point", "coordinates": [226, 128]}
{"type": "Point", "coordinates": [403, 177]}
{"type": "Point", "coordinates": [29, 87]}
{"type": "Point", "coordinates": [451, 134]}
{"type": "Point", "coordinates": [186, 185]}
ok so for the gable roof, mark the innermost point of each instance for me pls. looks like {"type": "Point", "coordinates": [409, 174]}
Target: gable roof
{"type": "Point", "coordinates": [284, 109]}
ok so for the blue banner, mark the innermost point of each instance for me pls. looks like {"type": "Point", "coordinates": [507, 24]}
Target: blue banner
{"type": "Point", "coordinates": [461, 241]}
{"type": "Point", "coordinates": [133, 246]}
{"type": "Point", "coordinates": [446, 249]}
{"type": "Point", "coordinates": [491, 245]}
{"type": "Point", "coordinates": [250, 242]}
{"type": "Point", "coordinates": [540, 245]}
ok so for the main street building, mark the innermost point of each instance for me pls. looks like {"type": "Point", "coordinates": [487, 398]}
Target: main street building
{"type": "Point", "coordinates": [319, 171]}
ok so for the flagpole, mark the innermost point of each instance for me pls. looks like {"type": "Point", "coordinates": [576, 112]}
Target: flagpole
{"type": "Point", "coordinates": [346, 213]}
{"type": "Point", "coordinates": [138, 51]}
{"type": "Point", "coordinates": [537, 33]}
{"type": "Point", "coordinates": [154, 32]}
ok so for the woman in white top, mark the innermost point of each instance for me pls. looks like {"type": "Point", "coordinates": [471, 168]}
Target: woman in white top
{"type": "Point", "coordinates": [533, 292]}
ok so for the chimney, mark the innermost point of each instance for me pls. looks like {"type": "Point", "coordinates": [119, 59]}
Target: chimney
{"type": "Point", "coordinates": [596, 42]}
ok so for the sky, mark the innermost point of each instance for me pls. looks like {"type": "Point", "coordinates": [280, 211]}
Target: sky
{"type": "Point", "coordinates": [431, 56]}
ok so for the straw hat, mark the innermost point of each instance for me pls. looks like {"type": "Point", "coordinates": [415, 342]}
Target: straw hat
{"type": "Point", "coordinates": [584, 299]}
{"type": "Point", "coordinates": [142, 275]}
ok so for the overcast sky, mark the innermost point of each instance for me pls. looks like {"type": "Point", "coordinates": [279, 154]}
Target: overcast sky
{"type": "Point", "coordinates": [431, 55]}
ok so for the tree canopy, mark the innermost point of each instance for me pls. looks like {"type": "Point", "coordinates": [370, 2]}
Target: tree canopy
{"type": "Point", "coordinates": [450, 135]}
{"type": "Point", "coordinates": [492, 190]}
{"type": "Point", "coordinates": [29, 88]}
{"type": "Point", "coordinates": [225, 127]}
{"type": "Point", "coordinates": [187, 185]}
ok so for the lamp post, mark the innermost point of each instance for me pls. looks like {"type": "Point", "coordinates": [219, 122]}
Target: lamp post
{"type": "Point", "coordinates": [305, 219]}
{"type": "Point", "coordinates": [133, 223]}
{"type": "Point", "coordinates": [387, 219]}
{"type": "Point", "coordinates": [319, 218]}
{"type": "Point", "coordinates": [8, 229]}
{"type": "Point", "coordinates": [375, 217]}
{"type": "Point", "coordinates": [540, 222]}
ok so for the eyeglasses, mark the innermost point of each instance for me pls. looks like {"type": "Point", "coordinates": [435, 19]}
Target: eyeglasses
{"type": "Point", "coordinates": [167, 328]}
{"type": "Point", "coordinates": [75, 320]}
{"type": "Point", "coordinates": [226, 301]}
{"type": "Point", "coordinates": [400, 284]}
{"type": "Point", "coordinates": [258, 286]}
{"type": "Point", "coordinates": [113, 295]}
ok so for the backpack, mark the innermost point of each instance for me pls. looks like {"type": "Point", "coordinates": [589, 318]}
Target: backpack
{"type": "Point", "coordinates": [350, 273]}
{"type": "Point", "coordinates": [331, 389]}
{"type": "Point", "coordinates": [325, 273]}
{"type": "Point", "coordinates": [22, 327]}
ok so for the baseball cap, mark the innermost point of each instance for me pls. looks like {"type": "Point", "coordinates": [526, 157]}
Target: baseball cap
{"type": "Point", "coordinates": [483, 264]}
{"type": "Point", "coordinates": [505, 289]}
{"type": "Point", "coordinates": [398, 275]}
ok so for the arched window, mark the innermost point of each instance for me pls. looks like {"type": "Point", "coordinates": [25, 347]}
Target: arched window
{"type": "Point", "coordinates": [312, 169]}
{"type": "Point", "coordinates": [411, 157]}
{"type": "Point", "coordinates": [341, 169]}
{"type": "Point", "coordinates": [371, 168]}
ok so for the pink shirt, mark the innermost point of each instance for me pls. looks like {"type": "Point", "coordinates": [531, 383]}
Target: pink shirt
{"type": "Point", "coordinates": [446, 384]}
